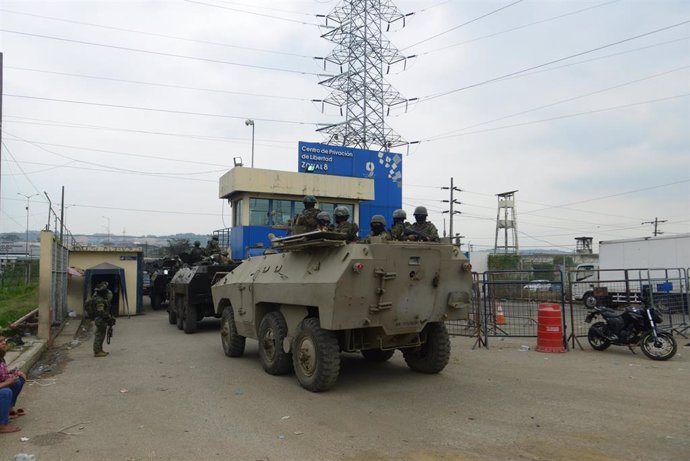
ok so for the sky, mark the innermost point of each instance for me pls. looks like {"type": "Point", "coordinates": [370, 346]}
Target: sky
{"type": "Point", "coordinates": [137, 108]}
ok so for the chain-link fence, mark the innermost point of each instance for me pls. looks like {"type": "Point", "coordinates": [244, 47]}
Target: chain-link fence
{"type": "Point", "coordinates": [471, 327]}
{"type": "Point", "coordinates": [19, 273]}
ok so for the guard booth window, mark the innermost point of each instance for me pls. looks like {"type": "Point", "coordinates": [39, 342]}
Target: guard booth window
{"type": "Point", "coordinates": [259, 212]}
{"type": "Point", "coordinates": [237, 213]}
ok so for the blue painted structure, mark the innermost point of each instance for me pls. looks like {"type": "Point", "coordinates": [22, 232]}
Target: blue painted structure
{"type": "Point", "coordinates": [385, 168]}
{"type": "Point", "coordinates": [248, 241]}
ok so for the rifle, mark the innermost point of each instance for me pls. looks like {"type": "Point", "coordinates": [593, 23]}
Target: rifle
{"type": "Point", "coordinates": [109, 331]}
{"type": "Point", "coordinates": [419, 234]}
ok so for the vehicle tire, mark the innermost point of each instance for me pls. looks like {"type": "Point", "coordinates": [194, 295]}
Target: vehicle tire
{"type": "Point", "coordinates": [272, 332]}
{"type": "Point", "coordinates": [179, 311]}
{"type": "Point", "coordinates": [590, 300]}
{"type": "Point", "coordinates": [315, 356]}
{"type": "Point", "coordinates": [598, 336]}
{"type": "Point", "coordinates": [378, 355]}
{"type": "Point", "coordinates": [172, 315]}
{"type": "Point", "coordinates": [432, 356]}
{"type": "Point", "coordinates": [662, 348]}
{"type": "Point", "coordinates": [233, 343]}
{"type": "Point", "coordinates": [190, 319]}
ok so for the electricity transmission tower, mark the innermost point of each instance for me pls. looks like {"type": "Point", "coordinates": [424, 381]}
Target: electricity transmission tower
{"type": "Point", "coordinates": [363, 55]}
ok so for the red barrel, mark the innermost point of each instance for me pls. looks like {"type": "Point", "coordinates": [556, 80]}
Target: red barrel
{"type": "Point", "coordinates": [550, 329]}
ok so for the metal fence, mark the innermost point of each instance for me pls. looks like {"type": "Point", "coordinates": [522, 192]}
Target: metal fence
{"type": "Point", "coordinates": [19, 273]}
{"type": "Point", "coordinates": [58, 286]}
{"type": "Point", "coordinates": [506, 303]}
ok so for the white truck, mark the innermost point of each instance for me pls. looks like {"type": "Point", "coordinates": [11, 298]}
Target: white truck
{"type": "Point", "coordinates": [627, 266]}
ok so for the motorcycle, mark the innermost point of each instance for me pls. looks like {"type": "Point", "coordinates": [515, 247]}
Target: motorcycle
{"type": "Point", "coordinates": [631, 327]}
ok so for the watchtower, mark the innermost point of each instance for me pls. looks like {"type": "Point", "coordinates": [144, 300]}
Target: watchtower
{"type": "Point", "coordinates": [506, 219]}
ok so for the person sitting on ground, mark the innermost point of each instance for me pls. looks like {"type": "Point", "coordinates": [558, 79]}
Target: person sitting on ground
{"type": "Point", "coordinates": [12, 380]}
{"type": "Point", "coordinates": [5, 404]}
{"type": "Point", "coordinates": [378, 230]}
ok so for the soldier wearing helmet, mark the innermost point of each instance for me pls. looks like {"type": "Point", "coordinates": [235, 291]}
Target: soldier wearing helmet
{"type": "Point", "coordinates": [196, 253]}
{"type": "Point", "coordinates": [324, 221]}
{"type": "Point", "coordinates": [212, 246]}
{"type": "Point", "coordinates": [306, 220]}
{"type": "Point", "coordinates": [98, 307]}
{"type": "Point", "coordinates": [422, 229]}
{"type": "Point", "coordinates": [378, 230]}
{"type": "Point", "coordinates": [399, 225]}
{"type": "Point", "coordinates": [344, 226]}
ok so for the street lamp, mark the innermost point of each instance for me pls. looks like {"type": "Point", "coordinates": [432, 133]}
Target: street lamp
{"type": "Point", "coordinates": [26, 244]}
{"type": "Point", "coordinates": [250, 122]}
{"type": "Point", "coordinates": [108, 240]}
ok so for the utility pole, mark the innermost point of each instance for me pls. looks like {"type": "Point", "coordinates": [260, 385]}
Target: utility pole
{"type": "Point", "coordinates": [452, 202]}
{"type": "Point", "coordinates": [656, 223]}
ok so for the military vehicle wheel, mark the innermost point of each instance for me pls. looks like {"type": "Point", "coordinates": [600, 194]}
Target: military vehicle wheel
{"type": "Point", "coordinates": [432, 356]}
{"type": "Point", "coordinates": [155, 301]}
{"type": "Point", "coordinates": [377, 355]}
{"type": "Point", "coordinates": [172, 316]}
{"type": "Point", "coordinates": [179, 312]}
{"type": "Point", "coordinates": [272, 332]}
{"type": "Point", "coordinates": [316, 356]}
{"type": "Point", "coordinates": [233, 343]}
{"type": "Point", "coordinates": [189, 321]}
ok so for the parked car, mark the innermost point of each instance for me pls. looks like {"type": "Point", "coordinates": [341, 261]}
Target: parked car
{"type": "Point", "coordinates": [538, 285]}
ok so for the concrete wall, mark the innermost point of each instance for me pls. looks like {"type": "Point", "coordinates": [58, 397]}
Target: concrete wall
{"type": "Point", "coordinates": [45, 281]}
{"type": "Point", "coordinates": [83, 258]}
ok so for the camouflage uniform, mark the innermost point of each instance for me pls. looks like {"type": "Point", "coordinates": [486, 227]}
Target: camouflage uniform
{"type": "Point", "coordinates": [102, 319]}
{"type": "Point", "coordinates": [350, 230]}
{"type": "Point", "coordinates": [398, 230]}
{"type": "Point", "coordinates": [212, 247]}
{"type": "Point", "coordinates": [383, 236]}
{"type": "Point", "coordinates": [426, 228]}
{"type": "Point", "coordinates": [196, 253]}
{"type": "Point", "coordinates": [306, 221]}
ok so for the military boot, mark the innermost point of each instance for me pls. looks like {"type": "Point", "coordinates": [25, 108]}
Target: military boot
{"type": "Point", "coordinates": [101, 354]}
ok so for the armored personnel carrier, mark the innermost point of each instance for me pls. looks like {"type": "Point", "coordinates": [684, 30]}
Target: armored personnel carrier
{"type": "Point", "coordinates": [189, 292]}
{"type": "Point", "coordinates": [318, 296]}
{"type": "Point", "coordinates": [162, 274]}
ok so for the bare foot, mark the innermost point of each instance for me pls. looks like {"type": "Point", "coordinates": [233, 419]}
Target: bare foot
{"type": "Point", "coordinates": [7, 428]}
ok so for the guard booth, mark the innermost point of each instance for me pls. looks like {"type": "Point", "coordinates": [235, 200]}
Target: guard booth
{"type": "Point", "coordinates": [115, 277]}
{"type": "Point", "coordinates": [265, 201]}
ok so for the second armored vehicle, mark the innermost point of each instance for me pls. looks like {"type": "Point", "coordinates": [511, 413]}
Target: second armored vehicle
{"type": "Point", "coordinates": [189, 292]}
{"type": "Point", "coordinates": [321, 296]}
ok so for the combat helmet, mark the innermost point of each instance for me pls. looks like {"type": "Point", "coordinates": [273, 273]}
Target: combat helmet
{"type": "Point", "coordinates": [197, 243]}
{"type": "Point", "coordinates": [309, 199]}
{"type": "Point", "coordinates": [378, 219]}
{"type": "Point", "coordinates": [400, 214]}
{"type": "Point", "coordinates": [324, 218]}
{"type": "Point", "coordinates": [420, 210]}
{"type": "Point", "coordinates": [341, 212]}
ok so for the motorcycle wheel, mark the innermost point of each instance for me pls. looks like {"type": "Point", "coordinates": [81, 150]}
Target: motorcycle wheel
{"type": "Point", "coordinates": [597, 336]}
{"type": "Point", "coordinates": [662, 348]}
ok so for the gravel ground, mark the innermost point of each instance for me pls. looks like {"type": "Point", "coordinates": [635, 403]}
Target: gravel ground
{"type": "Point", "coordinates": [164, 395]}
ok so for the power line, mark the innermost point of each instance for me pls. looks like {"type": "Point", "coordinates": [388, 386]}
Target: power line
{"type": "Point", "coordinates": [152, 109]}
{"type": "Point", "coordinates": [237, 10]}
{"type": "Point", "coordinates": [462, 25]}
{"type": "Point", "coordinates": [20, 168]}
{"type": "Point", "coordinates": [59, 124]}
{"type": "Point", "coordinates": [153, 34]}
{"type": "Point", "coordinates": [605, 109]}
{"type": "Point", "coordinates": [561, 101]}
{"type": "Point", "coordinates": [474, 85]}
{"type": "Point", "coordinates": [523, 26]}
{"type": "Point", "coordinates": [161, 53]}
{"type": "Point", "coordinates": [164, 85]}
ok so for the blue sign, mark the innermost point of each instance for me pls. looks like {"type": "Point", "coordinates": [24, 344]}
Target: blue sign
{"type": "Point", "coordinates": [385, 168]}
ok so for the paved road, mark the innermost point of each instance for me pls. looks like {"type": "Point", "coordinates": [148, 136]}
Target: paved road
{"type": "Point", "coordinates": [164, 395]}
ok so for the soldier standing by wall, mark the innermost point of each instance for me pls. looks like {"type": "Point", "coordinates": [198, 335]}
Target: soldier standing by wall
{"type": "Point", "coordinates": [399, 225]}
{"type": "Point", "coordinates": [100, 306]}
{"type": "Point", "coordinates": [306, 220]}
{"type": "Point", "coordinates": [344, 226]}
{"type": "Point", "coordinates": [426, 231]}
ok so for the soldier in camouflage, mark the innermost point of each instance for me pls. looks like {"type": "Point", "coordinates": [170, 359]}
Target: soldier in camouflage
{"type": "Point", "coordinates": [306, 220]}
{"type": "Point", "coordinates": [378, 230]}
{"type": "Point", "coordinates": [213, 246]}
{"type": "Point", "coordinates": [102, 318]}
{"type": "Point", "coordinates": [324, 220]}
{"type": "Point", "coordinates": [197, 253]}
{"type": "Point", "coordinates": [426, 231]}
{"type": "Point", "coordinates": [344, 226]}
{"type": "Point", "coordinates": [399, 225]}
